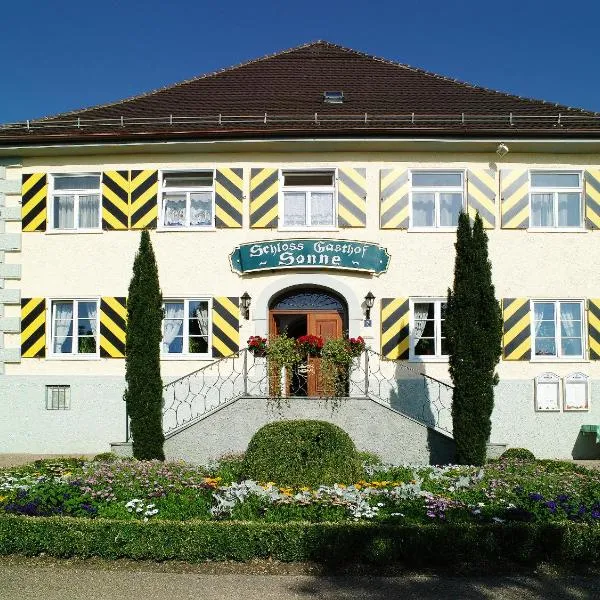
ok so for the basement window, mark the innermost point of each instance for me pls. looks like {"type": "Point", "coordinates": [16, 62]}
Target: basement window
{"type": "Point", "coordinates": [333, 97]}
{"type": "Point", "coordinates": [58, 397]}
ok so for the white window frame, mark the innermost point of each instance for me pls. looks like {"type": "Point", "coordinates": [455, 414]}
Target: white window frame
{"type": "Point", "coordinates": [437, 357]}
{"type": "Point", "coordinates": [162, 190]}
{"type": "Point", "coordinates": [66, 401]}
{"type": "Point", "coordinates": [436, 190]}
{"type": "Point", "coordinates": [310, 189]}
{"type": "Point", "coordinates": [75, 344]}
{"type": "Point", "coordinates": [555, 191]}
{"type": "Point", "coordinates": [186, 325]}
{"type": "Point", "coordinates": [557, 333]}
{"type": "Point", "coordinates": [76, 193]}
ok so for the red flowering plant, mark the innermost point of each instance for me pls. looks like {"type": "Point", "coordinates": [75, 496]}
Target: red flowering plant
{"type": "Point", "coordinates": [257, 345]}
{"type": "Point", "coordinates": [310, 345]}
{"type": "Point", "coordinates": [356, 346]}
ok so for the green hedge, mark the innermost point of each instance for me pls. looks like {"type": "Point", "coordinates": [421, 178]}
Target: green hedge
{"type": "Point", "coordinates": [194, 541]}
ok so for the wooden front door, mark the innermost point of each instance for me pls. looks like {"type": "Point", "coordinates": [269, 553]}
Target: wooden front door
{"type": "Point", "coordinates": [329, 326]}
{"type": "Point", "coordinates": [295, 323]}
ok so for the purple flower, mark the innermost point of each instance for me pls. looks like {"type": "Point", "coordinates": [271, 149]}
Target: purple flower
{"type": "Point", "coordinates": [596, 513]}
{"type": "Point", "coordinates": [552, 506]}
{"type": "Point", "coordinates": [562, 497]}
{"type": "Point", "coordinates": [536, 496]}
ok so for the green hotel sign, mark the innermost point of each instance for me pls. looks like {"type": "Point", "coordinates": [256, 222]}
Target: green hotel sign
{"type": "Point", "coordinates": [310, 254]}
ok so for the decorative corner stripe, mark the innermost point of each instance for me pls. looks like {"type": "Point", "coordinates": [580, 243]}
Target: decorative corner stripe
{"type": "Point", "coordinates": [264, 195]}
{"type": "Point", "coordinates": [394, 192]}
{"type": "Point", "coordinates": [514, 193]}
{"type": "Point", "coordinates": [225, 326]}
{"type": "Point", "coordinates": [143, 200]}
{"type": "Point", "coordinates": [517, 328]}
{"type": "Point", "coordinates": [395, 320]}
{"type": "Point", "coordinates": [352, 197]}
{"type": "Point", "coordinates": [481, 195]}
{"type": "Point", "coordinates": [34, 193]}
{"type": "Point", "coordinates": [115, 200]}
{"type": "Point", "coordinates": [592, 199]}
{"type": "Point", "coordinates": [229, 198]}
{"type": "Point", "coordinates": [594, 328]}
{"type": "Point", "coordinates": [33, 327]}
{"type": "Point", "coordinates": [113, 323]}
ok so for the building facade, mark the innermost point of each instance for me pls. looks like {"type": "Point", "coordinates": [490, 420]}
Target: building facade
{"type": "Point", "coordinates": [306, 197]}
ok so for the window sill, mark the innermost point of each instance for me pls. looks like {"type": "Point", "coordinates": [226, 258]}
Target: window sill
{"type": "Point", "coordinates": [76, 357]}
{"type": "Point", "coordinates": [186, 357]}
{"type": "Point", "coordinates": [73, 231]}
{"type": "Point", "coordinates": [428, 359]}
{"type": "Point", "coordinates": [555, 359]}
{"type": "Point", "coordinates": [184, 229]}
{"type": "Point", "coordinates": [557, 230]}
{"type": "Point", "coordinates": [432, 229]}
{"type": "Point", "coordinates": [309, 229]}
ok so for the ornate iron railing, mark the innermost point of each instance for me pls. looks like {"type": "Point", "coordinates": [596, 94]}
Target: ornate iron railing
{"type": "Point", "coordinates": [392, 383]}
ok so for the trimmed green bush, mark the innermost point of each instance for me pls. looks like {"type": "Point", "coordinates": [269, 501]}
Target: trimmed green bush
{"type": "Point", "coordinates": [338, 543]}
{"type": "Point", "coordinates": [298, 453]}
{"type": "Point", "coordinates": [517, 453]}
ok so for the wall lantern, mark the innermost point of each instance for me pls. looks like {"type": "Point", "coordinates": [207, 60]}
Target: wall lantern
{"type": "Point", "coordinates": [369, 301]}
{"type": "Point", "coordinates": [246, 299]}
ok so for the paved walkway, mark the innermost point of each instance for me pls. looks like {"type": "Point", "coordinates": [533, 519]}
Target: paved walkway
{"type": "Point", "coordinates": [25, 579]}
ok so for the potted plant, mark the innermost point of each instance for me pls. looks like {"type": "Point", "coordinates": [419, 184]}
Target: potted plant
{"type": "Point", "coordinates": [283, 353]}
{"type": "Point", "coordinates": [337, 356]}
{"type": "Point", "coordinates": [310, 345]}
{"type": "Point", "coordinates": [257, 345]}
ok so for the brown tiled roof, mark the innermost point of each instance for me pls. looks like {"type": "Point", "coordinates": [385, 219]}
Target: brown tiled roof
{"type": "Point", "coordinates": [282, 96]}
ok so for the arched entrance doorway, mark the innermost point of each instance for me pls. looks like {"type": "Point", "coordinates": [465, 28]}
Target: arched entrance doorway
{"type": "Point", "coordinates": [303, 311]}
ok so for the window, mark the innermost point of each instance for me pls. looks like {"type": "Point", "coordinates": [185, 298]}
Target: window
{"type": "Point", "coordinates": [185, 327]}
{"type": "Point", "coordinates": [187, 199]}
{"type": "Point", "coordinates": [58, 397]}
{"type": "Point", "coordinates": [556, 200]}
{"type": "Point", "coordinates": [427, 331]}
{"type": "Point", "coordinates": [74, 327]}
{"type": "Point", "coordinates": [558, 329]}
{"type": "Point", "coordinates": [75, 202]}
{"type": "Point", "coordinates": [437, 198]}
{"type": "Point", "coordinates": [308, 199]}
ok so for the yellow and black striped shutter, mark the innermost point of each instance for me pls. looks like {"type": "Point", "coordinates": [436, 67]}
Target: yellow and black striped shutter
{"type": "Point", "coordinates": [394, 190]}
{"type": "Point", "coordinates": [33, 327]}
{"type": "Point", "coordinates": [115, 200]}
{"type": "Point", "coordinates": [481, 195]}
{"type": "Point", "coordinates": [143, 199]}
{"type": "Point", "coordinates": [592, 199]}
{"type": "Point", "coordinates": [225, 326]}
{"type": "Point", "coordinates": [113, 321]}
{"type": "Point", "coordinates": [34, 195]}
{"type": "Point", "coordinates": [395, 320]}
{"type": "Point", "coordinates": [594, 328]}
{"type": "Point", "coordinates": [517, 329]}
{"type": "Point", "coordinates": [352, 197]}
{"type": "Point", "coordinates": [229, 198]}
{"type": "Point", "coordinates": [264, 198]}
{"type": "Point", "coordinates": [514, 198]}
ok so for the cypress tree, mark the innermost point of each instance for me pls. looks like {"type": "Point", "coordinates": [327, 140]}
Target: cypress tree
{"type": "Point", "coordinates": [474, 336]}
{"type": "Point", "coordinates": [143, 395]}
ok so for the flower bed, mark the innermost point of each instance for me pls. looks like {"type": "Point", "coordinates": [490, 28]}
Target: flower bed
{"type": "Point", "coordinates": [526, 511]}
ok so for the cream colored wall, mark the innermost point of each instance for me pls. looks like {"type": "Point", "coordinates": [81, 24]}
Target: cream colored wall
{"type": "Point", "coordinates": [525, 264]}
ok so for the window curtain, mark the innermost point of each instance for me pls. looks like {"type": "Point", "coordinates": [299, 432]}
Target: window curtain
{"type": "Point", "coordinates": [174, 211]}
{"type": "Point", "coordinates": [538, 315]}
{"type": "Point", "coordinates": [542, 207]}
{"type": "Point", "coordinates": [321, 208]}
{"type": "Point", "coordinates": [88, 211]}
{"type": "Point", "coordinates": [63, 326]}
{"type": "Point", "coordinates": [201, 314]}
{"type": "Point", "coordinates": [93, 317]}
{"type": "Point", "coordinates": [64, 212]}
{"type": "Point", "coordinates": [201, 209]}
{"type": "Point", "coordinates": [173, 324]}
{"type": "Point", "coordinates": [294, 209]}
{"type": "Point", "coordinates": [420, 312]}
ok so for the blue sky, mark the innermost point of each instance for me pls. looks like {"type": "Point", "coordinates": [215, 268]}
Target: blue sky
{"type": "Point", "coordinates": [61, 55]}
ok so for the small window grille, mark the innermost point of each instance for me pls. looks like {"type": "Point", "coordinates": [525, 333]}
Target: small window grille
{"type": "Point", "coordinates": [58, 397]}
